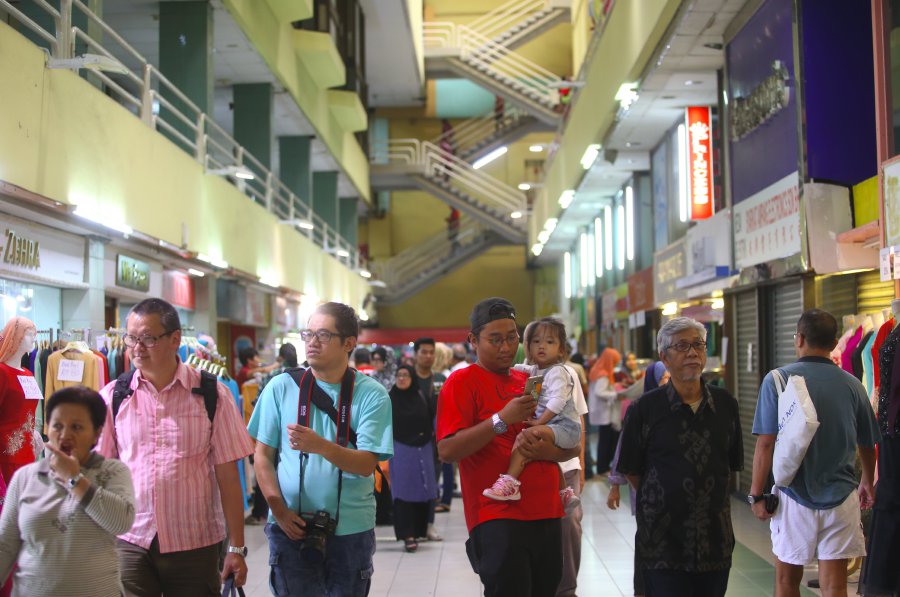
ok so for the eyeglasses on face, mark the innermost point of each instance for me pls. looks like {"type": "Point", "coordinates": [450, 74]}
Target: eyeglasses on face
{"type": "Point", "coordinates": [146, 340]}
{"type": "Point", "coordinates": [323, 336]}
{"type": "Point", "coordinates": [684, 346]}
{"type": "Point", "coordinates": [404, 376]}
{"type": "Point", "coordinates": [497, 341]}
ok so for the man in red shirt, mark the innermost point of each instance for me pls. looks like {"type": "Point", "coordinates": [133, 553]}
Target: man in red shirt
{"type": "Point", "coordinates": [514, 546]}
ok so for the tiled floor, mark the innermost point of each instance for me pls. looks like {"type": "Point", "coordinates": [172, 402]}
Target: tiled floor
{"type": "Point", "coordinates": [442, 570]}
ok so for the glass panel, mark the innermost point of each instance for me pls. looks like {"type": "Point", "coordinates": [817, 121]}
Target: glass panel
{"type": "Point", "coordinates": [40, 304]}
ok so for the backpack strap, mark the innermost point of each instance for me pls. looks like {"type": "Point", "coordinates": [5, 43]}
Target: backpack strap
{"type": "Point", "coordinates": [209, 389]}
{"type": "Point", "coordinates": [121, 391]}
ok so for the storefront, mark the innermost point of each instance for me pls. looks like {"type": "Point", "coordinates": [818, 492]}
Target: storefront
{"type": "Point", "coordinates": [614, 328]}
{"type": "Point", "coordinates": [643, 316]}
{"type": "Point", "coordinates": [244, 314]}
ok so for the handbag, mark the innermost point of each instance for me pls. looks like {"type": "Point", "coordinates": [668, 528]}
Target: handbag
{"type": "Point", "coordinates": [229, 590]}
{"type": "Point", "coordinates": [797, 424]}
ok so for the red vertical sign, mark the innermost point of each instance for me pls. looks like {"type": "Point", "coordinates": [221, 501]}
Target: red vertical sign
{"type": "Point", "coordinates": [700, 161]}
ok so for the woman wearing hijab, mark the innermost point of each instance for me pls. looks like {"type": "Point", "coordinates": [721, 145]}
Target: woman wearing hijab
{"type": "Point", "coordinates": [602, 400]}
{"type": "Point", "coordinates": [631, 372]}
{"type": "Point", "coordinates": [413, 482]}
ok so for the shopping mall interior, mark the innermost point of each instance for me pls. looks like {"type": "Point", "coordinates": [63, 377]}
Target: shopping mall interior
{"type": "Point", "coordinates": [612, 163]}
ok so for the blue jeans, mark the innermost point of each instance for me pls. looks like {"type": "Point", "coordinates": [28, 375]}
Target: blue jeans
{"type": "Point", "coordinates": [346, 570]}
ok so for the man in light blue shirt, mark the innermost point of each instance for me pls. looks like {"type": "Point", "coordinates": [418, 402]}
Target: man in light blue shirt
{"type": "Point", "coordinates": [343, 566]}
{"type": "Point", "coordinates": [819, 512]}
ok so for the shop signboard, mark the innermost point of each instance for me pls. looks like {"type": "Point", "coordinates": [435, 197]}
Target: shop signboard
{"type": "Point", "coordinates": [178, 289]}
{"type": "Point", "coordinates": [34, 252]}
{"type": "Point", "coordinates": [669, 266]}
{"type": "Point", "coordinates": [767, 225]}
{"type": "Point", "coordinates": [708, 251]}
{"type": "Point", "coordinates": [132, 273]}
{"type": "Point", "coordinates": [257, 308]}
{"type": "Point", "coordinates": [622, 301]}
{"type": "Point", "coordinates": [891, 178]}
{"type": "Point", "coordinates": [640, 291]}
{"type": "Point", "coordinates": [700, 161]}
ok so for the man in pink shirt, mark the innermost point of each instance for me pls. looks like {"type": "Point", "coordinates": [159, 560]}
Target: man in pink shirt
{"type": "Point", "coordinates": [184, 467]}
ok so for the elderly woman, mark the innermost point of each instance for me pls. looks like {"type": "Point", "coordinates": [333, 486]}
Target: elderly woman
{"type": "Point", "coordinates": [62, 513]}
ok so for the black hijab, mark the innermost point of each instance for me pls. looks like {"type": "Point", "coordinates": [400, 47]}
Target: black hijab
{"type": "Point", "coordinates": [412, 416]}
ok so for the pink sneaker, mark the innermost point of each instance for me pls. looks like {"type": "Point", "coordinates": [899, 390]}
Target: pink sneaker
{"type": "Point", "coordinates": [505, 488]}
{"type": "Point", "coordinates": [570, 501]}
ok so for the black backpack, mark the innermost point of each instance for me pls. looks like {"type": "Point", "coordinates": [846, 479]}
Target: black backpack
{"type": "Point", "coordinates": [208, 389]}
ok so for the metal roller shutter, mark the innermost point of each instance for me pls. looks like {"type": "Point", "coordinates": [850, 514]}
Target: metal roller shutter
{"type": "Point", "coordinates": [746, 326]}
{"type": "Point", "coordinates": [787, 305]}
{"type": "Point", "coordinates": [837, 295]}
{"type": "Point", "coordinates": [873, 295]}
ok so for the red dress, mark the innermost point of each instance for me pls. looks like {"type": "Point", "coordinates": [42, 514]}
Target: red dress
{"type": "Point", "coordinates": [16, 422]}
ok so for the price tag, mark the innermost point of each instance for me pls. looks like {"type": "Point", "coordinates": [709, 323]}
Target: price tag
{"type": "Point", "coordinates": [885, 261]}
{"type": "Point", "coordinates": [29, 385]}
{"type": "Point", "coordinates": [70, 370]}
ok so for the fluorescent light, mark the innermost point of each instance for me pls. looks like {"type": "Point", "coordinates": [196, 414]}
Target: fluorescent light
{"type": "Point", "coordinates": [536, 148]}
{"type": "Point", "coordinates": [515, 215]}
{"type": "Point", "coordinates": [670, 309]}
{"type": "Point", "coordinates": [598, 247]}
{"type": "Point", "coordinates": [627, 95]}
{"type": "Point", "coordinates": [363, 316]}
{"type": "Point", "coordinates": [590, 154]}
{"type": "Point", "coordinates": [607, 237]}
{"type": "Point", "coordinates": [365, 273]}
{"type": "Point", "coordinates": [583, 259]}
{"type": "Point", "coordinates": [718, 304]}
{"type": "Point", "coordinates": [550, 224]}
{"type": "Point", "coordinates": [484, 161]}
{"type": "Point", "coordinates": [620, 229]}
{"type": "Point", "coordinates": [195, 272]}
{"type": "Point", "coordinates": [543, 236]}
{"type": "Point", "coordinates": [269, 282]}
{"type": "Point", "coordinates": [537, 248]}
{"type": "Point", "coordinates": [682, 174]}
{"type": "Point", "coordinates": [241, 172]}
{"type": "Point", "coordinates": [566, 198]}
{"type": "Point", "coordinates": [567, 274]}
{"type": "Point", "coordinates": [342, 253]}
{"type": "Point", "coordinates": [97, 218]}
{"type": "Point", "coordinates": [524, 186]}
{"type": "Point", "coordinates": [220, 263]}
{"type": "Point", "coordinates": [591, 251]}
{"type": "Point", "coordinates": [629, 223]}
{"type": "Point", "coordinates": [299, 222]}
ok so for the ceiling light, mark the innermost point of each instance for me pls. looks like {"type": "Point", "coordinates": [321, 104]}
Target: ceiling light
{"type": "Point", "coordinates": [195, 272]}
{"type": "Point", "coordinates": [567, 274]}
{"type": "Point", "coordinates": [484, 161]}
{"type": "Point", "coordinates": [536, 148]}
{"type": "Point", "coordinates": [515, 215]}
{"type": "Point", "coordinates": [627, 95]}
{"type": "Point", "coordinates": [691, 82]}
{"type": "Point", "coordinates": [566, 198]}
{"type": "Point", "coordinates": [632, 144]}
{"type": "Point", "coordinates": [718, 304]}
{"type": "Point", "coordinates": [338, 252]}
{"type": "Point", "coordinates": [378, 283]}
{"type": "Point", "coordinates": [550, 224]}
{"type": "Point", "coordinates": [590, 154]}
{"type": "Point", "coordinates": [269, 282]}
{"type": "Point", "coordinates": [97, 218]}
{"type": "Point", "coordinates": [299, 222]}
{"type": "Point", "coordinates": [363, 316]}
{"type": "Point", "coordinates": [365, 273]}
{"type": "Point", "coordinates": [536, 249]}
{"type": "Point", "coordinates": [241, 172]}
{"type": "Point", "coordinates": [598, 248]}
{"type": "Point", "coordinates": [219, 263]}
{"type": "Point", "coordinates": [543, 236]}
{"type": "Point", "coordinates": [670, 309]}
{"type": "Point", "coordinates": [524, 186]}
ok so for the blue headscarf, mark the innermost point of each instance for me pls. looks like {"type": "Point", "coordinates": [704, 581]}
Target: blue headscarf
{"type": "Point", "coordinates": [652, 376]}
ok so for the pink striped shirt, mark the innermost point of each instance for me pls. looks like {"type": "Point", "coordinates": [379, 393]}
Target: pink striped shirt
{"type": "Point", "coordinates": [164, 438]}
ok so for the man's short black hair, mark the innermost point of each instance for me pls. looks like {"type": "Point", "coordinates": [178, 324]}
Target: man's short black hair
{"type": "Point", "coordinates": [345, 319]}
{"type": "Point", "coordinates": [361, 356]}
{"type": "Point", "coordinates": [418, 343]}
{"type": "Point", "coordinates": [86, 397]}
{"type": "Point", "coordinates": [381, 352]}
{"type": "Point", "coordinates": [819, 327]}
{"type": "Point", "coordinates": [491, 309]}
{"type": "Point", "coordinates": [247, 353]}
{"type": "Point", "coordinates": [168, 315]}
{"type": "Point", "coordinates": [288, 354]}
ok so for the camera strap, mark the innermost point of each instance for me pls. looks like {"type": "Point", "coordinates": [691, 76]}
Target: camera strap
{"type": "Point", "coordinates": [312, 395]}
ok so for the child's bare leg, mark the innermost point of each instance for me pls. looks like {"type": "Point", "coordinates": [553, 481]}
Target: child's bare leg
{"type": "Point", "coordinates": [517, 464]}
{"type": "Point", "coordinates": [562, 479]}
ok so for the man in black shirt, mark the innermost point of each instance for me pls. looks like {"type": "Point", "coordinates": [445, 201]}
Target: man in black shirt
{"type": "Point", "coordinates": [680, 444]}
{"type": "Point", "coordinates": [429, 384]}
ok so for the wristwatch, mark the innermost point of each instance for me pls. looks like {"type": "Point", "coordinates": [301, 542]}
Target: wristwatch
{"type": "Point", "coordinates": [74, 480]}
{"type": "Point", "coordinates": [241, 551]}
{"type": "Point", "coordinates": [499, 425]}
{"type": "Point", "coordinates": [753, 499]}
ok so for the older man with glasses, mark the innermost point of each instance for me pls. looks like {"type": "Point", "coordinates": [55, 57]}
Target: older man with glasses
{"type": "Point", "coordinates": [680, 444]}
{"type": "Point", "coordinates": [183, 459]}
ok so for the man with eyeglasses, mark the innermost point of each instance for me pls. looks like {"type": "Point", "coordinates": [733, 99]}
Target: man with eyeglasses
{"type": "Point", "coordinates": [310, 457]}
{"type": "Point", "coordinates": [184, 466]}
{"type": "Point", "coordinates": [818, 517]}
{"type": "Point", "coordinates": [680, 444]}
{"type": "Point", "coordinates": [514, 546]}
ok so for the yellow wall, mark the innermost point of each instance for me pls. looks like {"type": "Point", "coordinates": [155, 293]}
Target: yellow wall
{"type": "Point", "coordinates": [581, 32]}
{"type": "Point", "coordinates": [273, 39]}
{"type": "Point", "coordinates": [61, 138]}
{"type": "Point", "coordinates": [633, 30]}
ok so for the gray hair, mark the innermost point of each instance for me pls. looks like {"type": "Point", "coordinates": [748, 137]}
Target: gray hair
{"type": "Point", "coordinates": [674, 327]}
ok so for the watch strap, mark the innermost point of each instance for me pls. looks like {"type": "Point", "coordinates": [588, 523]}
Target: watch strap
{"type": "Point", "coordinates": [756, 498]}
{"type": "Point", "coordinates": [74, 480]}
{"type": "Point", "coordinates": [242, 551]}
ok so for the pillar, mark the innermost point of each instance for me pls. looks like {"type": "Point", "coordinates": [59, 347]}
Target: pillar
{"type": "Point", "coordinates": [206, 313]}
{"type": "Point", "coordinates": [185, 58]}
{"type": "Point", "coordinates": [253, 122]}
{"type": "Point", "coordinates": [295, 166]}
{"type": "Point", "coordinates": [86, 307]}
{"type": "Point", "coordinates": [348, 220]}
{"type": "Point", "coordinates": [325, 197]}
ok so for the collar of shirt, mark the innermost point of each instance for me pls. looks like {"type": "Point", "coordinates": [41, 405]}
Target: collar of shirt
{"type": "Point", "coordinates": [675, 401]}
{"type": "Point", "coordinates": [182, 376]}
{"type": "Point", "coordinates": [816, 360]}
{"type": "Point", "coordinates": [94, 460]}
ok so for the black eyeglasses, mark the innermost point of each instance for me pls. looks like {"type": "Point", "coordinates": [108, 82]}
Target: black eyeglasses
{"type": "Point", "coordinates": [146, 340]}
{"type": "Point", "coordinates": [684, 346]}
{"type": "Point", "coordinates": [497, 341]}
{"type": "Point", "coordinates": [323, 336]}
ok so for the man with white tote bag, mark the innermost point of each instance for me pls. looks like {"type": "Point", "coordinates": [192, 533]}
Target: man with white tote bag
{"type": "Point", "coordinates": [817, 514]}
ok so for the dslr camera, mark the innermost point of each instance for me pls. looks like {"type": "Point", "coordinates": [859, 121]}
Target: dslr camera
{"type": "Point", "coordinates": [319, 526]}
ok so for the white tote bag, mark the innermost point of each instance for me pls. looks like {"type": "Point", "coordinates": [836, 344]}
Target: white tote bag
{"type": "Point", "coordinates": [797, 424]}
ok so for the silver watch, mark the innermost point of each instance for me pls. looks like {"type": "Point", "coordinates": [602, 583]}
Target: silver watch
{"type": "Point", "coordinates": [499, 425]}
{"type": "Point", "coordinates": [241, 551]}
{"type": "Point", "coordinates": [74, 480]}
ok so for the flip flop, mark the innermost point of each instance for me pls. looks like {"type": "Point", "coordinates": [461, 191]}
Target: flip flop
{"type": "Point", "coordinates": [410, 545]}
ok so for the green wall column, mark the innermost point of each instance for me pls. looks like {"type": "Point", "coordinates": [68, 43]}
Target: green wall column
{"type": "Point", "coordinates": [185, 58]}
{"type": "Point", "coordinates": [348, 219]}
{"type": "Point", "coordinates": [295, 167]}
{"type": "Point", "coordinates": [253, 122]}
{"type": "Point", "coordinates": [325, 197]}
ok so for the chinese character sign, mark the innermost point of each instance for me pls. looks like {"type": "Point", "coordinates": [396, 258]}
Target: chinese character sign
{"type": "Point", "coordinates": [700, 161]}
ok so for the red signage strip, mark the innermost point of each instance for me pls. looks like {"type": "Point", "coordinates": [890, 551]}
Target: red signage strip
{"type": "Point", "coordinates": [178, 289]}
{"type": "Point", "coordinates": [700, 161]}
{"type": "Point", "coordinates": [640, 291]}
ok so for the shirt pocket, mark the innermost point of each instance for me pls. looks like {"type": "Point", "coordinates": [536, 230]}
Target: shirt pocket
{"type": "Point", "coordinates": [189, 434]}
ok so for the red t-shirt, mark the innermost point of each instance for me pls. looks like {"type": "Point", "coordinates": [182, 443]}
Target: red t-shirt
{"type": "Point", "coordinates": [16, 418]}
{"type": "Point", "coordinates": [242, 376]}
{"type": "Point", "coordinates": [468, 397]}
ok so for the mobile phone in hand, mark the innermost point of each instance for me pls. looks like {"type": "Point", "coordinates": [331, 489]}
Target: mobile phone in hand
{"type": "Point", "coordinates": [533, 386]}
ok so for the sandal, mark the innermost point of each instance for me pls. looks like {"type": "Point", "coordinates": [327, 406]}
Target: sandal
{"type": "Point", "coordinates": [410, 545]}
{"type": "Point", "coordinates": [442, 508]}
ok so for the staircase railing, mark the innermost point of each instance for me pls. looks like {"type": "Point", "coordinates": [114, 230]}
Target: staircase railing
{"type": "Point", "coordinates": [143, 90]}
{"type": "Point", "coordinates": [466, 136]}
{"type": "Point", "coordinates": [506, 16]}
{"type": "Point", "coordinates": [485, 54]}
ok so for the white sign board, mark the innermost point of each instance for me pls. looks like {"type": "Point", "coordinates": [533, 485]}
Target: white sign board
{"type": "Point", "coordinates": [767, 224]}
{"type": "Point", "coordinates": [70, 370]}
{"type": "Point", "coordinates": [36, 252]}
